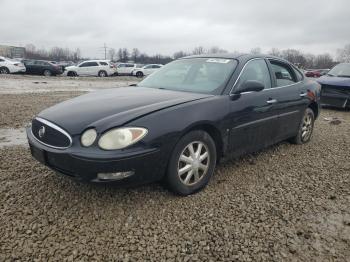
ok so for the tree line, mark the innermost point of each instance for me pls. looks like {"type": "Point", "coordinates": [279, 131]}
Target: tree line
{"type": "Point", "coordinates": [297, 57]}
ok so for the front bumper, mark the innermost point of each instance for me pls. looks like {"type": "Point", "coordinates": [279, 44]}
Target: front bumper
{"type": "Point", "coordinates": [335, 96]}
{"type": "Point", "coordinates": [148, 165]}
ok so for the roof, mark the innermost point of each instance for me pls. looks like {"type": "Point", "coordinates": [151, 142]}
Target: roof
{"type": "Point", "coordinates": [238, 56]}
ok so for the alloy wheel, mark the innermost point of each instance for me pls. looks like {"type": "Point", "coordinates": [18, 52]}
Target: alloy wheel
{"type": "Point", "coordinates": [306, 129]}
{"type": "Point", "coordinates": [193, 163]}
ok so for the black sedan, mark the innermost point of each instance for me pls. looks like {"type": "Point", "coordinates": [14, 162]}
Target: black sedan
{"type": "Point", "coordinates": [335, 90]}
{"type": "Point", "coordinates": [177, 123]}
{"type": "Point", "coordinates": [41, 67]}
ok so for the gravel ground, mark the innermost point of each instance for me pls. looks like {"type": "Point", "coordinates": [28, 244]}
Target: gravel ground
{"type": "Point", "coordinates": [286, 203]}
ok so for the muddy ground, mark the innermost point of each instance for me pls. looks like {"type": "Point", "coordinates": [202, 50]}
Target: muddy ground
{"type": "Point", "coordinates": [286, 203]}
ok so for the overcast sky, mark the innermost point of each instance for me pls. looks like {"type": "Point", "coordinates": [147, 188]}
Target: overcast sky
{"type": "Point", "coordinates": [167, 26]}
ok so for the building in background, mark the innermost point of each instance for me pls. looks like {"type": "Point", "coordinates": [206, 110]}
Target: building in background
{"type": "Point", "coordinates": [12, 51]}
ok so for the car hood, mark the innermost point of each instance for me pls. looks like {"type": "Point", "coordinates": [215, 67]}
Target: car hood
{"type": "Point", "coordinates": [334, 81]}
{"type": "Point", "coordinates": [113, 107]}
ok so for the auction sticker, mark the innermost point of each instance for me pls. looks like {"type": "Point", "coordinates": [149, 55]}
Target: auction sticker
{"type": "Point", "coordinates": [218, 60]}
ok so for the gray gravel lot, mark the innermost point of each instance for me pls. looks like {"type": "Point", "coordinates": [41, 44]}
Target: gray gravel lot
{"type": "Point", "coordinates": [286, 203]}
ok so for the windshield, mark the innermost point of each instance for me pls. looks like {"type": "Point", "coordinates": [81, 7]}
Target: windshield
{"type": "Point", "coordinates": [198, 75]}
{"type": "Point", "coordinates": [341, 70]}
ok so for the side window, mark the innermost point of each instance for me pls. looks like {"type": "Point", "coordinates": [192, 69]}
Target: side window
{"type": "Point", "coordinates": [256, 70]}
{"type": "Point", "coordinates": [103, 63]}
{"type": "Point", "coordinates": [148, 67]}
{"type": "Point", "coordinates": [93, 64]}
{"type": "Point", "coordinates": [84, 65]}
{"type": "Point", "coordinates": [283, 73]}
{"type": "Point", "coordinates": [121, 65]}
{"type": "Point", "coordinates": [156, 66]}
{"type": "Point", "coordinates": [298, 74]}
{"type": "Point", "coordinates": [2, 60]}
{"type": "Point", "coordinates": [129, 65]}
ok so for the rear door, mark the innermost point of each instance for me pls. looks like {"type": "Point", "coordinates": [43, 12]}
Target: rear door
{"type": "Point", "coordinates": [253, 115]}
{"type": "Point", "coordinates": [93, 68]}
{"type": "Point", "coordinates": [289, 94]}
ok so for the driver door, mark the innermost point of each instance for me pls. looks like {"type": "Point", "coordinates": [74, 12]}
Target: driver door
{"type": "Point", "coordinates": [253, 115]}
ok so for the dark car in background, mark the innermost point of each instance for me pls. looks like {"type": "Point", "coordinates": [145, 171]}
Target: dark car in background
{"type": "Point", "coordinates": [316, 73]}
{"type": "Point", "coordinates": [335, 86]}
{"type": "Point", "coordinates": [177, 123]}
{"type": "Point", "coordinates": [42, 67]}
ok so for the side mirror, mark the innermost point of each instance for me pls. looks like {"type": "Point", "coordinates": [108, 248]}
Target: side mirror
{"type": "Point", "coordinates": [250, 86]}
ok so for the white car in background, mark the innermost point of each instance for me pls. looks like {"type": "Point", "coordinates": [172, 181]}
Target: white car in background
{"type": "Point", "coordinates": [146, 70]}
{"type": "Point", "coordinates": [8, 66]}
{"type": "Point", "coordinates": [125, 68]}
{"type": "Point", "coordinates": [101, 68]}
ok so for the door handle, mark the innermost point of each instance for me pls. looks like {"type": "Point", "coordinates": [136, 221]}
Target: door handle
{"type": "Point", "coordinates": [271, 101]}
{"type": "Point", "coordinates": [303, 94]}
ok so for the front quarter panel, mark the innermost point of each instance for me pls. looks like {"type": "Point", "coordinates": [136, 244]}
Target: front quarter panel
{"type": "Point", "coordinates": [167, 126]}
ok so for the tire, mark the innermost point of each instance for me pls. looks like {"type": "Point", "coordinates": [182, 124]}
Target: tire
{"type": "Point", "coordinates": [180, 177]}
{"type": "Point", "coordinates": [306, 128]}
{"type": "Point", "coordinates": [139, 74]}
{"type": "Point", "coordinates": [72, 74]}
{"type": "Point", "coordinates": [4, 71]}
{"type": "Point", "coordinates": [47, 73]}
{"type": "Point", "coordinates": [102, 74]}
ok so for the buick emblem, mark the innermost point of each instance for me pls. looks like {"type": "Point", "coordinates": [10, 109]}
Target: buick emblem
{"type": "Point", "coordinates": [41, 132]}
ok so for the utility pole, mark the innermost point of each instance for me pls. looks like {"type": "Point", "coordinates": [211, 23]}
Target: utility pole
{"type": "Point", "coordinates": [105, 48]}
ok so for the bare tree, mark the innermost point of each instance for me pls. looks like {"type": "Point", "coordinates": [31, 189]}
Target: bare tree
{"type": "Point", "coordinates": [217, 50]}
{"type": "Point", "coordinates": [111, 54]}
{"type": "Point", "coordinates": [135, 54]}
{"type": "Point", "coordinates": [198, 50]}
{"type": "Point", "coordinates": [343, 54]}
{"type": "Point", "coordinates": [275, 52]}
{"type": "Point", "coordinates": [125, 54]}
{"type": "Point", "coordinates": [256, 51]}
{"type": "Point", "coordinates": [324, 61]}
{"type": "Point", "coordinates": [120, 54]}
{"type": "Point", "coordinates": [179, 54]}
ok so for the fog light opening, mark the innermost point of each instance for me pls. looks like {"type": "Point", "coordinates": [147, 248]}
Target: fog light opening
{"type": "Point", "coordinates": [114, 176]}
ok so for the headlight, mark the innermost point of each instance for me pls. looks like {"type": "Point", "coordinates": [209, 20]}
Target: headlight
{"type": "Point", "coordinates": [88, 137]}
{"type": "Point", "coordinates": [121, 137]}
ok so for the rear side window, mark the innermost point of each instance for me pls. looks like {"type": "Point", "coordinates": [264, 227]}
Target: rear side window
{"type": "Point", "coordinates": [103, 63]}
{"type": "Point", "coordinates": [87, 64]}
{"type": "Point", "coordinates": [2, 60]}
{"type": "Point", "coordinates": [256, 70]}
{"type": "Point", "coordinates": [283, 73]}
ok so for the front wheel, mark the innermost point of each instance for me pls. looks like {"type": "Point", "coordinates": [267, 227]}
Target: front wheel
{"type": "Point", "coordinates": [139, 74]}
{"type": "Point", "coordinates": [192, 163]}
{"type": "Point", "coordinates": [306, 128]}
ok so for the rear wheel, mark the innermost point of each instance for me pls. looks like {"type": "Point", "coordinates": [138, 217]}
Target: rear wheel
{"type": "Point", "coordinates": [306, 128]}
{"type": "Point", "coordinates": [4, 71]}
{"type": "Point", "coordinates": [47, 73]}
{"type": "Point", "coordinates": [102, 74]}
{"type": "Point", "coordinates": [192, 163]}
{"type": "Point", "coordinates": [139, 74]}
